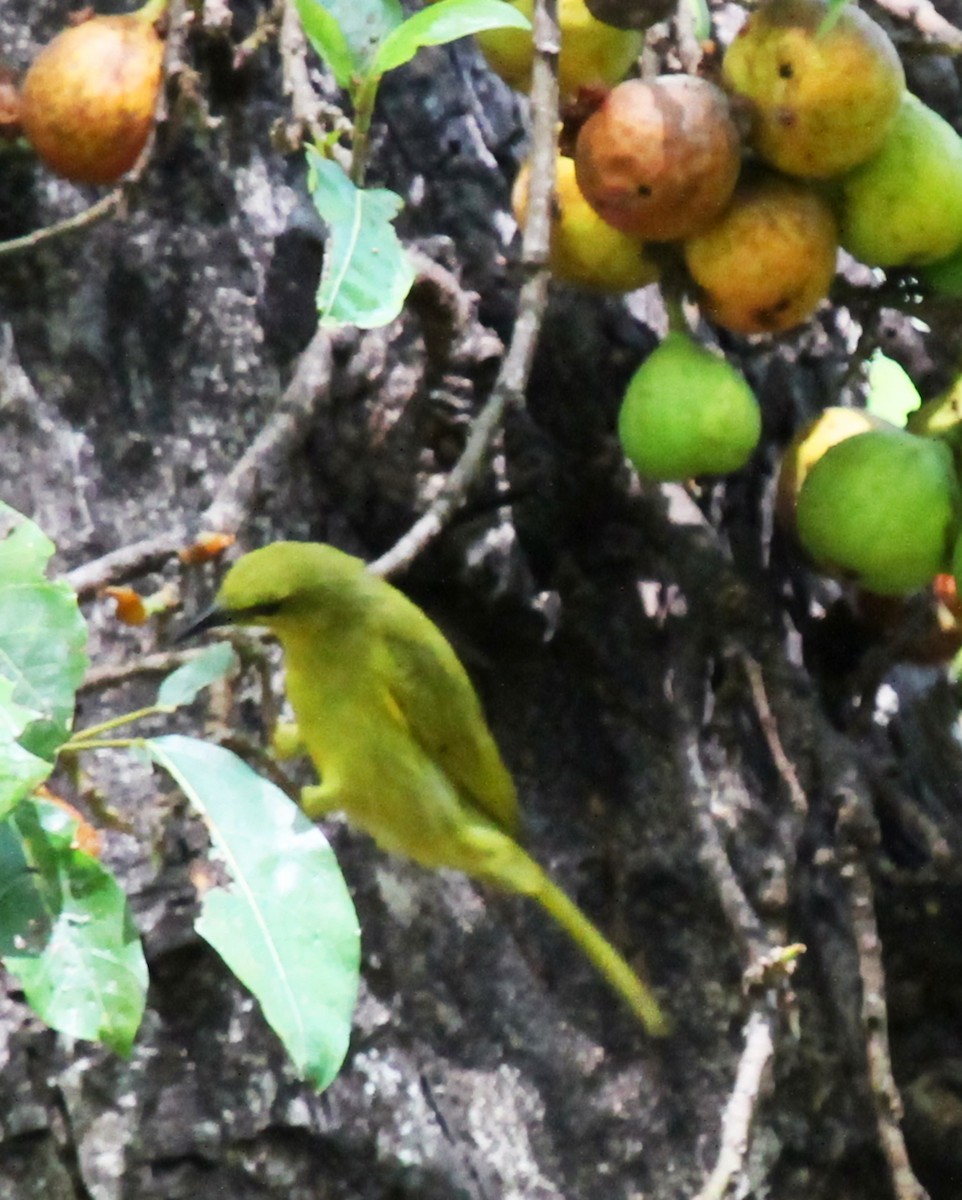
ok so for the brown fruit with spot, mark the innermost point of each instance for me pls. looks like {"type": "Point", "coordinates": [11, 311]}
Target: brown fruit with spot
{"type": "Point", "coordinates": [768, 262]}
{"type": "Point", "coordinates": [88, 100]}
{"type": "Point", "coordinates": [660, 158]}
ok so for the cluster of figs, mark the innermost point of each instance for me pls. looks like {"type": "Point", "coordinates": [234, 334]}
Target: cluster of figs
{"type": "Point", "coordinates": [747, 188]}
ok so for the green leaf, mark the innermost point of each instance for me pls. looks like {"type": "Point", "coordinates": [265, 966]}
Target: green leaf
{"type": "Point", "coordinates": [347, 33]}
{"type": "Point", "coordinates": [327, 38]}
{"type": "Point", "coordinates": [366, 274]}
{"type": "Point", "coordinates": [182, 686]}
{"type": "Point", "coordinates": [444, 22]}
{"type": "Point", "coordinates": [891, 393]}
{"type": "Point", "coordinates": [66, 931]}
{"type": "Point", "coordinates": [284, 922]}
{"type": "Point", "coordinates": [835, 9]}
{"type": "Point", "coordinates": [20, 771]}
{"type": "Point", "coordinates": [42, 635]}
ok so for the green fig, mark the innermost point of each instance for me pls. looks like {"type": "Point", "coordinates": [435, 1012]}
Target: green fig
{"type": "Point", "coordinates": [882, 509]}
{"type": "Point", "coordinates": [687, 412]}
{"type": "Point", "coordinates": [904, 205]}
{"type": "Point", "coordinates": [831, 426]}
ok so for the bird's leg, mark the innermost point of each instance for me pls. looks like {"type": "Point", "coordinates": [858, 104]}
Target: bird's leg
{"type": "Point", "coordinates": [319, 799]}
{"type": "Point", "coordinates": [286, 740]}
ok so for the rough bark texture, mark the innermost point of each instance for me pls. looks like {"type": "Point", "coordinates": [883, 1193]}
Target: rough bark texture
{"type": "Point", "coordinates": [677, 711]}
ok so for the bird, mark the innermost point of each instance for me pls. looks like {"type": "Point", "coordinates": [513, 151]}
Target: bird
{"type": "Point", "coordinates": [389, 717]}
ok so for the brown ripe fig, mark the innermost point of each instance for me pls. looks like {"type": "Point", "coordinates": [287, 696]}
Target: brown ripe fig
{"type": "Point", "coordinates": [584, 250]}
{"type": "Point", "coordinates": [89, 97]}
{"type": "Point", "coordinates": [830, 427]}
{"type": "Point", "coordinates": [823, 100]}
{"type": "Point", "coordinates": [768, 262]}
{"type": "Point", "coordinates": [660, 158]}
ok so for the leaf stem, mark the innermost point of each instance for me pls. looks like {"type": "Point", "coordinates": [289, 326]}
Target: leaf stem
{"type": "Point", "coordinates": [364, 99]}
{"type": "Point", "coordinates": [152, 710]}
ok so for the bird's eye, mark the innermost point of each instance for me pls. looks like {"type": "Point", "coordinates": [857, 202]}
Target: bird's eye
{"type": "Point", "coordinates": [268, 608]}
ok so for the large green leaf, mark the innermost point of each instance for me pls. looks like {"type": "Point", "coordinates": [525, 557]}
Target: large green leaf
{"type": "Point", "coordinates": [444, 22]}
{"type": "Point", "coordinates": [347, 33]}
{"type": "Point", "coordinates": [366, 274]}
{"type": "Point", "coordinates": [66, 931]}
{"type": "Point", "coordinates": [42, 635]}
{"type": "Point", "coordinates": [891, 393]}
{"type": "Point", "coordinates": [284, 922]}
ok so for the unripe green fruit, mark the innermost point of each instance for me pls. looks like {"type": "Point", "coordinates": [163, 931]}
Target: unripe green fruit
{"type": "Point", "coordinates": [904, 205]}
{"type": "Point", "coordinates": [687, 412]}
{"type": "Point", "coordinates": [881, 508]}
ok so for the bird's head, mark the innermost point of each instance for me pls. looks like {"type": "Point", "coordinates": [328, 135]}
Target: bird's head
{"type": "Point", "coordinates": [284, 584]}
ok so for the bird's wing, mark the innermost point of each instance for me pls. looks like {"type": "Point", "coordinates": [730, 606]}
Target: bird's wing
{"type": "Point", "coordinates": [435, 697]}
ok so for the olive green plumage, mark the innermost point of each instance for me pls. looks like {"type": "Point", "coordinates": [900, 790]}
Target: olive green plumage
{"type": "Point", "coordinates": [394, 727]}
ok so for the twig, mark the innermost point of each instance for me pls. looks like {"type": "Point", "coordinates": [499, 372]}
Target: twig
{"type": "Point", "coordinates": [264, 459]}
{"type": "Point", "coordinates": [509, 388]}
{"type": "Point", "coordinates": [82, 220]}
{"type": "Point", "coordinates": [927, 20]}
{"type": "Point", "coordinates": [766, 718]}
{"type": "Point", "coordinates": [856, 832]}
{"type": "Point", "coordinates": [742, 1103]}
{"type": "Point", "coordinates": [741, 916]}
{"type": "Point", "coordinates": [269, 453]}
{"type": "Point", "coordinates": [116, 674]}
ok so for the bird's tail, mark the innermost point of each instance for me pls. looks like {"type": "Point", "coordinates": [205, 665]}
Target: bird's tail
{"type": "Point", "coordinates": [598, 950]}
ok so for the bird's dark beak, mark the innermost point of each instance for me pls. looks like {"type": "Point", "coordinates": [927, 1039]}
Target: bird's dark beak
{"type": "Point", "coordinates": [210, 619]}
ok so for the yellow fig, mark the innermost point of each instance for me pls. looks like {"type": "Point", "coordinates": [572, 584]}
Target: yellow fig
{"type": "Point", "coordinates": [687, 412]}
{"type": "Point", "coordinates": [823, 98]}
{"type": "Point", "coordinates": [585, 250]}
{"type": "Point", "coordinates": [592, 54]}
{"type": "Point", "coordinates": [765, 265]}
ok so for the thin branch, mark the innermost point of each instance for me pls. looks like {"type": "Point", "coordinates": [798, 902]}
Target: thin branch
{"type": "Point", "coordinates": [269, 454]}
{"type": "Point", "coordinates": [511, 384]}
{"type": "Point", "coordinates": [856, 827]}
{"type": "Point", "coordinates": [265, 460]}
{"type": "Point", "coordinates": [117, 674]}
{"type": "Point", "coordinates": [742, 1104]}
{"type": "Point", "coordinates": [924, 16]}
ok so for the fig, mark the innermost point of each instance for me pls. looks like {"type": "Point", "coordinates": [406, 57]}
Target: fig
{"type": "Point", "coordinates": [882, 509]}
{"type": "Point", "coordinates": [585, 250]}
{"type": "Point", "coordinates": [660, 159]}
{"type": "Point", "coordinates": [822, 101]}
{"type": "Point", "coordinates": [592, 54]}
{"type": "Point", "coordinates": [904, 205]}
{"type": "Point", "coordinates": [768, 262]}
{"type": "Point", "coordinates": [687, 412]}
{"type": "Point", "coordinates": [830, 427]}
{"type": "Point", "coordinates": [88, 99]}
